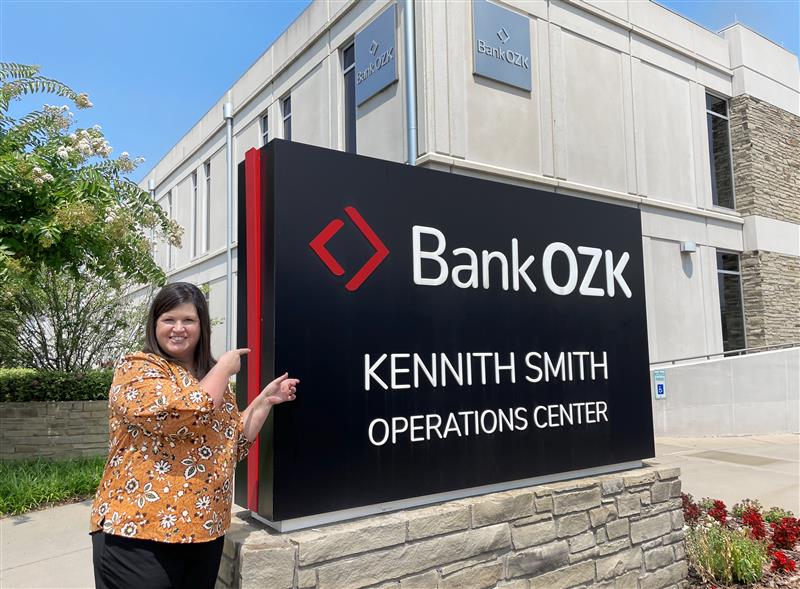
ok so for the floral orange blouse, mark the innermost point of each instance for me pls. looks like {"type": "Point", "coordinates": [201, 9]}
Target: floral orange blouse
{"type": "Point", "coordinates": [169, 475]}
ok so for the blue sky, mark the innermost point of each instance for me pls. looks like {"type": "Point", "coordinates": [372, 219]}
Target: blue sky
{"type": "Point", "coordinates": [153, 68]}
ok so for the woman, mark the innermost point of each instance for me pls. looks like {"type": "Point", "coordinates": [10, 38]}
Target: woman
{"type": "Point", "coordinates": [164, 502]}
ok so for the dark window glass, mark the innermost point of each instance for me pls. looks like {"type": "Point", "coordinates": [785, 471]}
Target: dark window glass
{"type": "Point", "coordinates": [717, 105]}
{"type": "Point", "coordinates": [349, 100]}
{"type": "Point", "coordinates": [264, 130]}
{"type": "Point", "coordinates": [287, 118]}
{"type": "Point", "coordinates": [730, 302]}
{"type": "Point", "coordinates": [719, 152]}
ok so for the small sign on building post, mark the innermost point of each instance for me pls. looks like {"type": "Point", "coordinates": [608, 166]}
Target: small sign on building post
{"type": "Point", "coordinates": [660, 381]}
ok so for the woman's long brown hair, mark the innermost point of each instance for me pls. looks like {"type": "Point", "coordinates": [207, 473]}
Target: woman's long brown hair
{"type": "Point", "coordinates": [167, 299]}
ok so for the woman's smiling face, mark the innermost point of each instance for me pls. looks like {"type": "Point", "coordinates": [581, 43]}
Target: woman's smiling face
{"type": "Point", "coordinates": [178, 331]}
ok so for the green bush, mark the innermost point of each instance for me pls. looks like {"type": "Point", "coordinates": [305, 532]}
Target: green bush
{"type": "Point", "coordinates": [776, 514]}
{"type": "Point", "coordinates": [37, 483]}
{"type": "Point", "coordinates": [723, 555]}
{"type": "Point", "coordinates": [22, 384]}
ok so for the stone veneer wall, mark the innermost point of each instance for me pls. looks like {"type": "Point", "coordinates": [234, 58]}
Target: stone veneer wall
{"type": "Point", "coordinates": [622, 530]}
{"type": "Point", "coordinates": [771, 290]}
{"type": "Point", "coordinates": [64, 429]}
{"type": "Point", "coordinates": [765, 142]}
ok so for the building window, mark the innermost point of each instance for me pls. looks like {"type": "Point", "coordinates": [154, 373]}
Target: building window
{"type": "Point", "coordinates": [349, 65]}
{"type": "Point", "coordinates": [719, 151]}
{"type": "Point", "coordinates": [207, 224]}
{"type": "Point", "coordinates": [197, 214]}
{"type": "Point", "coordinates": [287, 118]}
{"type": "Point", "coordinates": [264, 130]}
{"type": "Point", "coordinates": [730, 301]}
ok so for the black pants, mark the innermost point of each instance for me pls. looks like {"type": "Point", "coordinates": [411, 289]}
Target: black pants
{"type": "Point", "coordinates": [128, 563]}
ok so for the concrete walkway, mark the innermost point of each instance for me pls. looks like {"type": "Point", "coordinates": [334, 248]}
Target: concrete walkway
{"type": "Point", "coordinates": [52, 548]}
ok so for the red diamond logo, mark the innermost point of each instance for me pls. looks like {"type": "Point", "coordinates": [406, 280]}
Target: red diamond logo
{"type": "Point", "coordinates": [318, 245]}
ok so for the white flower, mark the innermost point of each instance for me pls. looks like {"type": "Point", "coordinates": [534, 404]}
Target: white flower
{"type": "Point", "coordinates": [48, 178]}
{"type": "Point", "coordinates": [162, 467]}
{"type": "Point", "coordinates": [204, 452]}
{"type": "Point", "coordinates": [203, 503]}
{"type": "Point", "coordinates": [129, 529]}
{"type": "Point", "coordinates": [62, 153]}
{"type": "Point", "coordinates": [196, 397]}
{"type": "Point", "coordinates": [73, 136]}
{"type": "Point", "coordinates": [131, 485]}
{"type": "Point", "coordinates": [124, 155]}
{"type": "Point", "coordinates": [97, 128]}
{"type": "Point", "coordinates": [103, 509]}
{"type": "Point", "coordinates": [168, 521]}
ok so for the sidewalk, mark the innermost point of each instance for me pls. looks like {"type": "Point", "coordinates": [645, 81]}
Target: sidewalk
{"type": "Point", "coordinates": [52, 548]}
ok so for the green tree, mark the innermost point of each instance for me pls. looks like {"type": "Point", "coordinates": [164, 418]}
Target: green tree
{"type": "Point", "coordinates": [69, 323]}
{"type": "Point", "coordinates": [65, 203]}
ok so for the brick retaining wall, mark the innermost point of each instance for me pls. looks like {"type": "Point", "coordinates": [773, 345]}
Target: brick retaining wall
{"type": "Point", "coordinates": [621, 530]}
{"type": "Point", "coordinates": [64, 429]}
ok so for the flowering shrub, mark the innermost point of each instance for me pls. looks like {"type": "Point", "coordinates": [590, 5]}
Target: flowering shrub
{"type": "Point", "coordinates": [782, 563]}
{"type": "Point", "coordinates": [751, 517]}
{"type": "Point", "coordinates": [745, 505]}
{"type": "Point", "coordinates": [723, 555]}
{"type": "Point", "coordinates": [719, 512]}
{"type": "Point", "coordinates": [786, 533]}
{"type": "Point", "coordinates": [691, 511]}
{"type": "Point", "coordinates": [776, 514]}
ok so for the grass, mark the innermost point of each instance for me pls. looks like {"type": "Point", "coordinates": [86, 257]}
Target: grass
{"type": "Point", "coordinates": [38, 483]}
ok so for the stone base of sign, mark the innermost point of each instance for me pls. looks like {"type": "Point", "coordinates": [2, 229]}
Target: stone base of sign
{"type": "Point", "coordinates": [53, 429]}
{"type": "Point", "coordinates": [622, 530]}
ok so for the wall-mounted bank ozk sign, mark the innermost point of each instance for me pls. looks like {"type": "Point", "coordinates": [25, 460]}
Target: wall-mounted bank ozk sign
{"type": "Point", "coordinates": [501, 42]}
{"type": "Point", "coordinates": [451, 333]}
{"type": "Point", "coordinates": [376, 56]}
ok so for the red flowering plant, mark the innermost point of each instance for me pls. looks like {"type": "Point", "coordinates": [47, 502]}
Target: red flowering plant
{"type": "Point", "coordinates": [751, 518]}
{"type": "Point", "coordinates": [691, 511]}
{"type": "Point", "coordinates": [719, 512]}
{"type": "Point", "coordinates": [786, 533]}
{"type": "Point", "coordinates": [782, 563]}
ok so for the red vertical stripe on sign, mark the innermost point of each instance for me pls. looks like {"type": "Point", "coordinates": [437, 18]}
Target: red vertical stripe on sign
{"type": "Point", "coordinates": [253, 193]}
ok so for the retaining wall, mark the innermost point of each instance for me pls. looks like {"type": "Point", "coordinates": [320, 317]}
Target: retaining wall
{"type": "Point", "coordinates": [63, 429]}
{"type": "Point", "coordinates": [740, 395]}
{"type": "Point", "coordinates": [622, 530]}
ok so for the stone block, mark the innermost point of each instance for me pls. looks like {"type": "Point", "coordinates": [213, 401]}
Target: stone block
{"type": "Point", "coordinates": [319, 545]}
{"type": "Point", "coordinates": [539, 560]}
{"type": "Point", "coordinates": [628, 505]}
{"type": "Point", "coordinates": [423, 581]}
{"type": "Point", "coordinates": [612, 486]}
{"type": "Point", "coordinates": [679, 551]}
{"type": "Point", "coordinates": [615, 546]}
{"type": "Point", "coordinates": [675, 489]}
{"type": "Point", "coordinates": [580, 500]}
{"type": "Point", "coordinates": [482, 576]}
{"type": "Point", "coordinates": [660, 491]}
{"type": "Point", "coordinates": [640, 478]}
{"type": "Point", "coordinates": [627, 581]}
{"type": "Point", "coordinates": [666, 473]}
{"type": "Point", "coordinates": [465, 564]}
{"type": "Point", "coordinates": [571, 525]}
{"type": "Point", "coordinates": [306, 578]}
{"type": "Point", "coordinates": [266, 566]}
{"type": "Point", "coordinates": [617, 564]}
{"type": "Point", "coordinates": [581, 542]}
{"type": "Point", "coordinates": [543, 504]}
{"type": "Point", "coordinates": [600, 515]}
{"type": "Point", "coordinates": [658, 557]}
{"type": "Point", "coordinates": [651, 527]}
{"type": "Point", "coordinates": [583, 555]}
{"type": "Point", "coordinates": [513, 584]}
{"type": "Point", "coordinates": [436, 520]}
{"type": "Point", "coordinates": [532, 519]}
{"type": "Point", "coordinates": [571, 576]}
{"type": "Point", "coordinates": [227, 567]}
{"type": "Point", "coordinates": [677, 519]}
{"type": "Point", "coordinates": [501, 507]}
{"type": "Point", "coordinates": [372, 568]}
{"type": "Point", "coordinates": [617, 528]}
{"type": "Point", "coordinates": [665, 577]}
{"type": "Point", "coordinates": [534, 534]}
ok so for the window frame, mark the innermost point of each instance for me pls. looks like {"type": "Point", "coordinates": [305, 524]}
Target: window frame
{"type": "Point", "coordinates": [264, 128]}
{"type": "Point", "coordinates": [207, 203]}
{"type": "Point", "coordinates": [286, 105]}
{"type": "Point", "coordinates": [349, 69]}
{"type": "Point", "coordinates": [196, 212]}
{"type": "Point", "coordinates": [712, 171]}
{"type": "Point", "coordinates": [741, 291]}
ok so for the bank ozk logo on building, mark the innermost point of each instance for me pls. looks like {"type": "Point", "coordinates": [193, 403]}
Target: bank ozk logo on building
{"type": "Point", "coordinates": [501, 44]}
